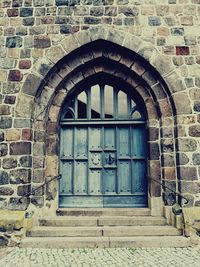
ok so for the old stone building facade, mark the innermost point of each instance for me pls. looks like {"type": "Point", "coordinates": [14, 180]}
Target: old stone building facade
{"type": "Point", "coordinates": [51, 49]}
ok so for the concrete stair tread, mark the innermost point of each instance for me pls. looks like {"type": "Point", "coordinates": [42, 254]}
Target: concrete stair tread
{"type": "Point", "coordinates": [65, 242]}
{"type": "Point", "coordinates": [103, 231]}
{"type": "Point", "coordinates": [78, 242]}
{"type": "Point", "coordinates": [141, 230]}
{"type": "Point", "coordinates": [62, 231]}
{"type": "Point", "coordinates": [103, 211]}
{"type": "Point", "coordinates": [132, 220]}
{"type": "Point", "coordinates": [132, 217]}
{"type": "Point", "coordinates": [150, 227]}
{"type": "Point", "coordinates": [69, 220]}
{"type": "Point", "coordinates": [102, 220]}
{"type": "Point", "coordinates": [89, 218]}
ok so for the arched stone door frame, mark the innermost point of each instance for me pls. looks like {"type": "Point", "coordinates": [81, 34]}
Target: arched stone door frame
{"type": "Point", "coordinates": [66, 64]}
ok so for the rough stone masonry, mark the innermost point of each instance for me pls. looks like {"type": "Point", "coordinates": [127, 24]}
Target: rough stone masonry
{"type": "Point", "coordinates": [33, 34]}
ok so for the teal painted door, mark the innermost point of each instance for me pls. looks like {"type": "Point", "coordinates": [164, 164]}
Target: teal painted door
{"type": "Point", "coordinates": [102, 158]}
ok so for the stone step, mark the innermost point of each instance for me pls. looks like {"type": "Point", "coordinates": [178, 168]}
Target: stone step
{"type": "Point", "coordinates": [69, 221]}
{"type": "Point", "coordinates": [102, 221]}
{"type": "Point", "coordinates": [49, 231]}
{"type": "Point", "coordinates": [140, 231]}
{"type": "Point", "coordinates": [61, 231]}
{"type": "Point", "coordinates": [133, 221]}
{"type": "Point", "coordinates": [104, 242]}
{"type": "Point", "coordinates": [103, 212]}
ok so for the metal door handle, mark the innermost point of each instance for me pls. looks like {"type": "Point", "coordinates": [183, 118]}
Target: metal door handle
{"type": "Point", "coordinates": [110, 159]}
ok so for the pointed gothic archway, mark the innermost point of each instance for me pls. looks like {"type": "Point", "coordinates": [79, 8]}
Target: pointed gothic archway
{"type": "Point", "coordinates": [128, 60]}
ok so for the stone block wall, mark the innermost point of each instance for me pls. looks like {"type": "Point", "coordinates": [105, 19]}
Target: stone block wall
{"type": "Point", "coordinates": [30, 31]}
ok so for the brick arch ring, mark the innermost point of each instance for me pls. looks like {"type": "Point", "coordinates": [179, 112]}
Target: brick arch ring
{"type": "Point", "coordinates": [118, 54]}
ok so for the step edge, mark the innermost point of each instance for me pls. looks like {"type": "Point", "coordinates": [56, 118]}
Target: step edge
{"type": "Point", "coordinates": [105, 238]}
{"type": "Point", "coordinates": [60, 218]}
{"type": "Point", "coordinates": [111, 227]}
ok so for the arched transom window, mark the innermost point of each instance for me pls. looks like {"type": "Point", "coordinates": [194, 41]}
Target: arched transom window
{"type": "Point", "coordinates": [102, 102]}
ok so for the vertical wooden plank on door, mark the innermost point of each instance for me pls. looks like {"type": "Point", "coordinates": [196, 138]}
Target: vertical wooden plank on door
{"type": "Point", "coordinates": [139, 180]}
{"type": "Point", "coordinates": [67, 142]}
{"type": "Point", "coordinates": [138, 141]}
{"type": "Point", "coordinates": [80, 179]}
{"type": "Point", "coordinates": [95, 138]}
{"type": "Point", "coordinates": [81, 143]}
{"type": "Point", "coordinates": [139, 160]}
{"type": "Point", "coordinates": [109, 181]}
{"type": "Point", "coordinates": [95, 160]}
{"type": "Point", "coordinates": [95, 182]}
{"type": "Point", "coordinates": [124, 146]}
{"type": "Point", "coordinates": [66, 164]}
{"type": "Point", "coordinates": [110, 173]}
{"type": "Point", "coordinates": [124, 176]}
{"type": "Point", "coordinates": [124, 160]}
{"type": "Point", "coordinates": [109, 138]}
{"type": "Point", "coordinates": [67, 176]}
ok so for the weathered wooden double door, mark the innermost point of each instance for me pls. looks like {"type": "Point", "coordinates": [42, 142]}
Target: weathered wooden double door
{"type": "Point", "coordinates": [103, 150]}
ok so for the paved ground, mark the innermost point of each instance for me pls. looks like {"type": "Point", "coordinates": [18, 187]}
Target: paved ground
{"type": "Point", "coordinates": [140, 257]}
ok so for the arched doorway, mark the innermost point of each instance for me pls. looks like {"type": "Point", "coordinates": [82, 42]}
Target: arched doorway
{"type": "Point", "coordinates": [103, 146]}
{"type": "Point", "coordinates": [104, 57]}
